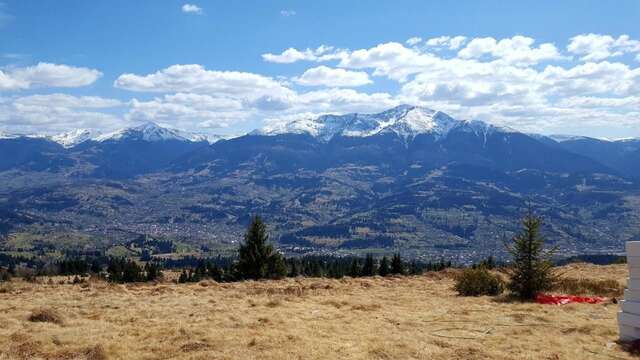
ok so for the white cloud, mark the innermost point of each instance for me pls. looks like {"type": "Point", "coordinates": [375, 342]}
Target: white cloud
{"type": "Point", "coordinates": [287, 13]}
{"type": "Point", "coordinates": [195, 78]}
{"type": "Point", "coordinates": [389, 59]}
{"type": "Point", "coordinates": [330, 77]}
{"type": "Point", "coordinates": [291, 55]}
{"type": "Point", "coordinates": [189, 111]}
{"type": "Point", "coordinates": [191, 9]}
{"type": "Point", "coordinates": [340, 101]}
{"type": "Point", "coordinates": [47, 75]}
{"type": "Point", "coordinates": [202, 112]}
{"type": "Point", "coordinates": [516, 50]}
{"type": "Point", "coordinates": [55, 113]}
{"type": "Point", "coordinates": [451, 43]}
{"type": "Point", "coordinates": [414, 41]}
{"type": "Point", "coordinates": [594, 47]}
{"type": "Point", "coordinates": [333, 101]}
{"type": "Point", "coordinates": [505, 81]}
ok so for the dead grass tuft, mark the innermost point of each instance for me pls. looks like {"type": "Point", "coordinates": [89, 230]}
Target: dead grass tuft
{"type": "Point", "coordinates": [584, 329]}
{"type": "Point", "coordinates": [96, 352]}
{"type": "Point", "coordinates": [194, 347]}
{"type": "Point", "coordinates": [26, 350]}
{"type": "Point", "coordinates": [366, 307]}
{"type": "Point", "coordinates": [6, 288]}
{"type": "Point", "coordinates": [273, 303]}
{"type": "Point", "coordinates": [574, 286]}
{"type": "Point", "coordinates": [46, 315]}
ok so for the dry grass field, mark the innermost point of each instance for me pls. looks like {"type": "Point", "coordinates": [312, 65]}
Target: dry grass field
{"type": "Point", "coordinates": [371, 318]}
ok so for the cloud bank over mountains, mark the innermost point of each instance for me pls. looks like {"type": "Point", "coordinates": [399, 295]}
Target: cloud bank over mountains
{"type": "Point", "coordinates": [591, 82]}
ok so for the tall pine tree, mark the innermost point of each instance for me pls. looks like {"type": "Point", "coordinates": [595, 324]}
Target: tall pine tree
{"type": "Point", "coordinates": [532, 270]}
{"type": "Point", "coordinates": [256, 257]}
{"type": "Point", "coordinates": [397, 268]}
{"type": "Point", "coordinates": [369, 267]}
{"type": "Point", "coordinates": [384, 270]}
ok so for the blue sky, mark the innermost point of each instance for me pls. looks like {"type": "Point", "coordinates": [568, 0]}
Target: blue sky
{"type": "Point", "coordinates": [230, 66]}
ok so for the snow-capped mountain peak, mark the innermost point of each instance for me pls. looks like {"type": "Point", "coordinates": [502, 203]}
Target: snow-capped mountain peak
{"type": "Point", "coordinates": [75, 137]}
{"type": "Point", "coordinates": [153, 132]}
{"type": "Point", "coordinates": [405, 120]}
{"type": "Point", "coordinates": [148, 131]}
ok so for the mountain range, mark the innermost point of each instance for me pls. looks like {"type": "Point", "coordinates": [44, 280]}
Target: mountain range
{"type": "Point", "coordinates": [409, 178]}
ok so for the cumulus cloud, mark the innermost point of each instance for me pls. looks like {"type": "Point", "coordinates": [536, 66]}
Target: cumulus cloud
{"type": "Point", "coordinates": [594, 47]}
{"type": "Point", "coordinates": [330, 77]}
{"type": "Point", "coordinates": [192, 9]}
{"type": "Point", "coordinates": [389, 59]}
{"type": "Point", "coordinates": [47, 75]}
{"type": "Point", "coordinates": [206, 113]}
{"type": "Point", "coordinates": [188, 111]}
{"type": "Point", "coordinates": [69, 101]}
{"type": "Point", "coordinates": [414, 41]}
{"type": "Point", "coordinates": [451, 43]}
{"type": "Point", "coordinates": [195, 78]}
{"type": "Point", "coordinates": [291, 55]}
{"type": "Point", "coordinates": [55, 113]}
{"type": "Point", "coordinates": [516, 50]}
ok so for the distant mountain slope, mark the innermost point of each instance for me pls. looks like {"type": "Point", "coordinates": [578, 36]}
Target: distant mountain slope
{"type": "Point", "coordinates": [34, 154]}
{"type": "Point", "coordinates": [621, 155]}
{"type": "Point", "coordinates": [408, 178]}
{"type": "Point", "coordinates": [397, 138]}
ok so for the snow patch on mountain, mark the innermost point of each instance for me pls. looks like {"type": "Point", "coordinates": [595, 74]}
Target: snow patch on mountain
{"type": "Point", "coordinates": [563, 138]}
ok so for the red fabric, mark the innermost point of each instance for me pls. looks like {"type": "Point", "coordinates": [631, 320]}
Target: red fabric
{"type": "Point", "coordinates": [566, 299]}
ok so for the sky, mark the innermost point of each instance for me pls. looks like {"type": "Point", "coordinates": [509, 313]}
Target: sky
{"type": "Point", "coordinates": [228, 67]}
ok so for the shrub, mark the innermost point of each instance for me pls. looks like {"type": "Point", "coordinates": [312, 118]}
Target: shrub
{"type": "Point", "coordinates": [477, 282]}
{"type": "Point", "coordinates": [46, 315]}
{"type": "Point", "coordinates": [5, 275]}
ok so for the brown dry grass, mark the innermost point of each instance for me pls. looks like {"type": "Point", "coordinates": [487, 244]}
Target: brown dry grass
{"type": "Point", "coordinates": [417, 317]}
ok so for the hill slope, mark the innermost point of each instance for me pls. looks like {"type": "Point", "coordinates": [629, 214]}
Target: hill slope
{"type": "Point", "coordinates": [368, 318]}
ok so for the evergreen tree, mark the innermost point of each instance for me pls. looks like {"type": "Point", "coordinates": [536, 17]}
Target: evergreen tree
{"type": "Point", "coordinates": [354, 270]}
{"type": "Point", "coordinates": [276, 267]}
{"type": "Point", "coordinates": [183, 277]}
{"type": "Point", "coordinates": [532, 270]}
{"type": "Point", "coordinates": [294, 269]}
{"type": "Point", "coordinates": [414, 269]}
{"type": "Point", "coordinates": [369, 267]}
{"type": "Point", "coordinates": [397, 267]}
{"type": "Point", "coordinates": [215, 272]}
{"type": "Point", "coordinates": [384, 267]}
{"type": "Point", "coordinates": [96, 268]}
{"type": "Point", "coordinates": [257, 258]}
{"type": "Point", "coordinates": [152, 272]}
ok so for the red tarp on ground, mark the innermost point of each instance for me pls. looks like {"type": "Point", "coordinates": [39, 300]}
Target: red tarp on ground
{"type": "Point", "coordinates": [566, 299]}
